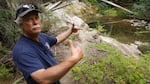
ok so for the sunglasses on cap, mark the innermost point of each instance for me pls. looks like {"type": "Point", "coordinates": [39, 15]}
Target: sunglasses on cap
{"type": "Point", "coordinates": [24, 9]}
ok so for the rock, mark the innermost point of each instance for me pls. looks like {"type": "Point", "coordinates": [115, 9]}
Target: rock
{"type": "Point", "coordinates": [79, 22]}
{"type": "Point", "coordinates": [66, 20]}
{"type": "Point", "coordinates": [135, 22]}
{"type": "Point", "coordinates": [84, 11]}
{"type": "Point", "coordinates": [77, 12]}
{"type": "Point", "coordinates": [148, 26]}
{"type": "Point", "coordinates": [126, 49]}
{"type": "Point", "coordinates": [86, 36]}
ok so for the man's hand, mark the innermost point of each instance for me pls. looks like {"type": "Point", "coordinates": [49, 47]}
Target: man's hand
{"type": "Point", "coordinates": [76, 52]}
{"type": "Point", "coordinates": [75, 29]}
{"type": "Point", "coordinates": [63, 36]}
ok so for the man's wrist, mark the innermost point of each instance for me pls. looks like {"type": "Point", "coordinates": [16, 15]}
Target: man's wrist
{"type": "Point", "coordinates": [72, 60]}
{"type": "Point", "coordinates": [71, 30]}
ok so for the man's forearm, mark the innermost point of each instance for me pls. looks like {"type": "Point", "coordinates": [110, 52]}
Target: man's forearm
{"type": "Point", "coordinates": [58, 71]}
{"type": "Point", "coordinates": [63, 36]}
{"type": "Point", "coordinates": [54, 73]}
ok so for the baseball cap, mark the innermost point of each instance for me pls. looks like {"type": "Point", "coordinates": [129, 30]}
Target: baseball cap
{"type": "Point", "coordinates": [25, 9]}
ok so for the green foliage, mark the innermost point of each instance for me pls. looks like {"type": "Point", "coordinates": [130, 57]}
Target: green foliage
{"type": "Point", "coordinates": [5, 72]}
{"type": "Point", "coordinates": [99, 28]}
{"type": "Point", "coordinates": [107, 10]}
{"type": "Point", "coordinates": [146, 57]}
{"type": "Point", "coordinates": [115, 68]}
{"type": "Point", "coordinates": [115, 12]}
{"type": "Point", "coordinates": [47, 19]}
{"type": "Point", "coordinates": [3, 50]}
{"type": "Point", "coordinates": [122, 13]}
{"type": "Point", "coordinates": [93, 2]}
{"type": "Point", "coordinates": [143, 32]}
{"type": "Point", "coordinates": [8, 30]}
{"type": "Point", "coordinates": [144, 48]}
{"type": "Point", "coordinates": [142, 8]}
{"type": "Point", "coordinates": [110, 12]}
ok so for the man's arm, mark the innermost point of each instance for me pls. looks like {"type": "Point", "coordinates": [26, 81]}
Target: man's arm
{"type": "Point", "coordinates": [52, 74]}
{"type": "Point", "coordinates": [63, 36]}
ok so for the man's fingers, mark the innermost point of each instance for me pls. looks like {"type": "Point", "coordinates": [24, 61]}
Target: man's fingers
{"type": "Point", "coordinates": [77, 27]}
{"type": "Point", "coordinates": [73, 25]}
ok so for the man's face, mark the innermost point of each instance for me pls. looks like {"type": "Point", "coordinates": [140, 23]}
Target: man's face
{"type": "Point", "coordinates": [29, 21]}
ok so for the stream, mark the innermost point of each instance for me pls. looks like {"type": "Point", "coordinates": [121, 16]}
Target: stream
{"type": "Point", "coordinates": [123, 31]}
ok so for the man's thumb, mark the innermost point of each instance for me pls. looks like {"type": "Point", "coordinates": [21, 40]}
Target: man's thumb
{"type": "Point", "coordinates": [71, 44]}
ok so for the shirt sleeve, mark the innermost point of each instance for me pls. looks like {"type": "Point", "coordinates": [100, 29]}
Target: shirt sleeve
{"type": "Point", "coordinates": [28, 63]}
{"type": "Point", "coordinates": [51, 40]}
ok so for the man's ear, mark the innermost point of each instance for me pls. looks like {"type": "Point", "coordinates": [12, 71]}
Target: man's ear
{"type": "Point", "coordinates": [21, 26]}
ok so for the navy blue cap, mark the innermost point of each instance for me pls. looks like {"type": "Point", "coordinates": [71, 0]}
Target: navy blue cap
{"type": "Point", "coordinates": [25, 9]}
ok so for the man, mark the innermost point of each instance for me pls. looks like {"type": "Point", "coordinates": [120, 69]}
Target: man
{"type": "Point", "coordinates": [32, 54]}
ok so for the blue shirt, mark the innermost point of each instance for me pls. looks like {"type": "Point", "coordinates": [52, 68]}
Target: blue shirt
{"type": "Point", "coordinates": [30, 56]}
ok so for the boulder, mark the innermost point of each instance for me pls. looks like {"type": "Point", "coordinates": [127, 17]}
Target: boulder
{"type": "Point", "coordinates": [71, 14]}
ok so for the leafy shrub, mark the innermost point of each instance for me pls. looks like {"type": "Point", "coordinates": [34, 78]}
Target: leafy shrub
{"type": "Point", "coordinates": [47, 18]}
{"type": "Point", "coordinates": [142, 8]}
{"type": "Point", "coordinates": [113, 69]}
{"type": "Point", "coordinates": [107, 9]}
{"type": "Point", "coordinates": [110, 12]}
{"type": "Point", "coordinates": [4, 72]}
{"type": "Point", "coordinates": [3, 50]}
{"type": "Point", "coordinates": [144, 48]}
{"type": "Point", "coordinates": [8, 30]}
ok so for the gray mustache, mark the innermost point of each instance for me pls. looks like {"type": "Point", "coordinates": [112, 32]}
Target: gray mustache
{"type": "Point", "coordinates": [36, 26]}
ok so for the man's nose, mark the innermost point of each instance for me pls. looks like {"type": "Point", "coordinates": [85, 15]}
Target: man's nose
{"type": "Point", "coordinates": [35, 21]}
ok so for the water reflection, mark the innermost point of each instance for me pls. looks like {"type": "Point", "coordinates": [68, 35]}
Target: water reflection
{"type": "Point", "coordinates": [122, 30]}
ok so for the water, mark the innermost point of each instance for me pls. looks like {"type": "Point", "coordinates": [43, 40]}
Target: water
{"type": "Point", "coordinates": [122, 31]}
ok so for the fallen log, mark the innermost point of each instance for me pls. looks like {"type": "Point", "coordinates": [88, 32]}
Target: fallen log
{"type": "Point", "coordinates": [118, 6]}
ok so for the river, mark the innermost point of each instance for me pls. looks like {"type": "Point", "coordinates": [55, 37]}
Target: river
{"type": "Point", "coordinates": [123, 31]}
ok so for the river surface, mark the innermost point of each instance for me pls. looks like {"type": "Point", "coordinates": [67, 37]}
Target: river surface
{"type": "Point", "coordinates": [123, 31]}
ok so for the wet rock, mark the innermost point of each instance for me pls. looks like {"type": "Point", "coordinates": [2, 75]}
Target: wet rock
{"type": "Point", "coordinates": [135, 22]}
{"type": "Point", "coordinates": [148, 26]}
